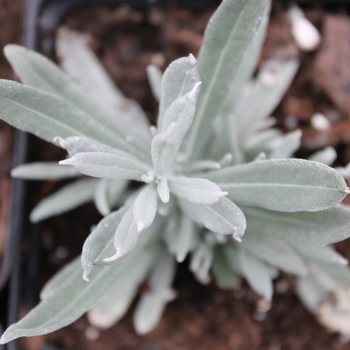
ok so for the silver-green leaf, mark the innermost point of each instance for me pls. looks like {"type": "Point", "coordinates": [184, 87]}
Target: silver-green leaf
{"type": "Point", "coordinates": [108, 165]}
{"type": "Point", "coordinates": [301, 228]}
{"type": "Point", "coordinates": [66, 198]}
{"type": "Point", "coordinates": [222, 217]}
{"type": "Point", "coordinates": [282, 185]}
{"type": "Point", "coordinates": [196, 190]}
{"type": "Point", "coordinates": [43, 171]}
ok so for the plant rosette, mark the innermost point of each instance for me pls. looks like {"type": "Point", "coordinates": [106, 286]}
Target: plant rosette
{"type": "Point", "coordinates": [216, 181]}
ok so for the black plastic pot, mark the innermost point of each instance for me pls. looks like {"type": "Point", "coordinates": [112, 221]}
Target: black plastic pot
{"type": "Point", "coordinates": [44, 16]}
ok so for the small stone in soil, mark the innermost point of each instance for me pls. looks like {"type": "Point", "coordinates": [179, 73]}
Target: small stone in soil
{"type": "Point", "coordinates": [92, 333]}
{"type": "Point", "coordinates": [320, 122]}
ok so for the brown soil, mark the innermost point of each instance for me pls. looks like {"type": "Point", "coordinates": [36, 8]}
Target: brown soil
{"type": "Point", "coordinates": [205, 317]}
{"type": "Point", "coordinates": [10, 32]}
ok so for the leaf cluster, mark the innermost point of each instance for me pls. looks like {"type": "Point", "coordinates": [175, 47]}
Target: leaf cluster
{"type": "Point", "coordinates": [216, 182]}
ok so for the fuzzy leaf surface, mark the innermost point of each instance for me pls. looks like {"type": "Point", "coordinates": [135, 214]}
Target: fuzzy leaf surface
{"type": "Point", "coordinates": [228, 122]}
{"type": "Point", "coordinates": [71, 299]}
{"type": "Point", "coordinates": [99, 244]}
{"type": "Point", "coordinates": [256, 274]}
{"type": "Point", "coordinates": [178, 80]}
{"type": "Point", "coordinates": [222, 272]}
{"type": "Point", "coordinates": [282, 184]}
{"type": "Point", "coordinates": [326, 156]}
{"type": "Point", "coordinates": [287, 145]}
{"type": "Point", "coordinates": [274, 78]}
{"type": "Point", "coordinates": [115, 303]}
{"type": "Point", "coordinates": [186, 237]}
{"type": "Point", "coordinates": [275, 252]}
{"type": "Point", "coordinates": [80, 144]}
{"type": "Point", "coordinates": [196, 190]}
{"type": "Point", "coordinates": [107, 193]}
{"type": "Point", "coordinates": [80, 62]}
{"type": "Point", "coordinates": [151, 304]}
{"type": "Point", "coordinates": [47, 116]}
{"type": "Point", "coordinates": [177, 120]}
{"type": "Point", "coordinates": [107, 165]}
{"type": "Point", "coordinates": [145, 207]}
{"type": "Point", "coordinates": [64, 199]}
{"type": "Point", "coordinates": [228, 35]}
{"type": "Point", "coordinates": [39, 72]}
{"type": "Point", "coordinates": [126, 235]}
{"type": "Point", "coordinates": [301, 228]}
{"type": "Point", "coordinates": [154, 75]}
{"type": "Point", "coordinates": [323, 254]}
{"type": "Point", "coordinates": [222, 217]}
{"type": "Point", "coordinates": [43, 171]}
{"type": "Point", "coordinates": [59, 278]}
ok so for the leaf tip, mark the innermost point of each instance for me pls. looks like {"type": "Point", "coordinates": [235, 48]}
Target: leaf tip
{"type": "Point", "coordinates": [195, 90]}
{"type": "Point", "coordinates": [347, 190]}
{"type": "Point", "coordinates": [12, 48]}
{"type": "Point", "coordinates": [237, 238]}
{"type": "Point", "coordinates": [69, 161]}
{"type": "Point", "coordinates": [222, 194]}
{"type": "Point", "coordinates": [59, 140]}
{"type": "Point", "coordinates": [85, 276]}
{"type": "Point", "coordinates": [113, 258]}
{"type": "Point", "coordinates": [140, 226]}
{"type": "Point", "coordinates": [148, 178]}
{"type": "Point", "coordinates": [192, 59]}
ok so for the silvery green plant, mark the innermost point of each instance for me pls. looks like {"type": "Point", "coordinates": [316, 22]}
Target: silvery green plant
{"type": "Point", "coordinates": [216, 182]}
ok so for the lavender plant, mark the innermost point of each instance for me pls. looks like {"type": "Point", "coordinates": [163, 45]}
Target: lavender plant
{"type": "Point", "coordinates": [216, 181]}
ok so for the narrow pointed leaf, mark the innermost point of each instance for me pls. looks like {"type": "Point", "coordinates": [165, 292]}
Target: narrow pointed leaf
{"type": "Point", "coordinates": [178, 80]}
{"type": "Point", "coordinates": [196, 190]}
{"type": "Point", "coordinates": [116, 302]}
{"type": "Point", "coordinates": [107, 193]}
{"type": "Point", "coordinates": [256, 274]}
{"type": "Point", "coordinates": [323, 254]}
{"type": "Point", "coordinates": [36, 70]}
{"type": "Point", "coordinates": [186, 237]}
{"type": "Point", "coordinates": [47, 116]}
{"type": "Point", "coordinates": [301, 228]}
{"type": "Point", "coordinates": [282, 184]}
{"type": "Point", "coordinates": [163, 190]}
{"type": "Point", "coordinates": [71, 299]}
{"type": "Point", "coordinates": [201, 261]}
{"type": "Point", "coordinates": [223, 217]}
{"type": "Point", "coordinates": [232, 257]}
{"type": "Point", "coordinates": [228, 36]}
{"type": "Point", "coordinates": [228, 120]}
{"type": "Point", "coordinates": [177, 119]}
{"type": "Point", "coordinates": [311, 293]}
{"type": "Point", "coordinates": [80, 62]}
{"type": "Point", "coordinates": [99, 244]}
{"type": "Point", "coordinates": [60, 278]}
{"type": "Point", "coordinates": [80, 144]}
{"type": "Point", "coordinates": [223, 275]}
{"type": "Point", "coordinates": [107, 165]}
{"type": "Point", "coordinates": [145, 207]}
{"type": "Point", "coordinates": [126, 236]}
{"type": "Point", "coordinates": [275, 252]}
{"type": "Point", "coordinates": [287, 145]}
{"type": "Point", "coordinates": [274, 78]}
{"type": "Point", "coordinates": [43, 171]}
{"type": "Point", "coordinates": [155, 80]}
{"type": "Point", "coordinates": [75, 57]}
{"type": "Point", "coordinates": [64, 199]}
{"type": "Point", "coordinates": [326, 156]}
{"type": "Point", "coordinates": [151, 304]}
{"type": "Point", "coordinates": [39, 72]}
